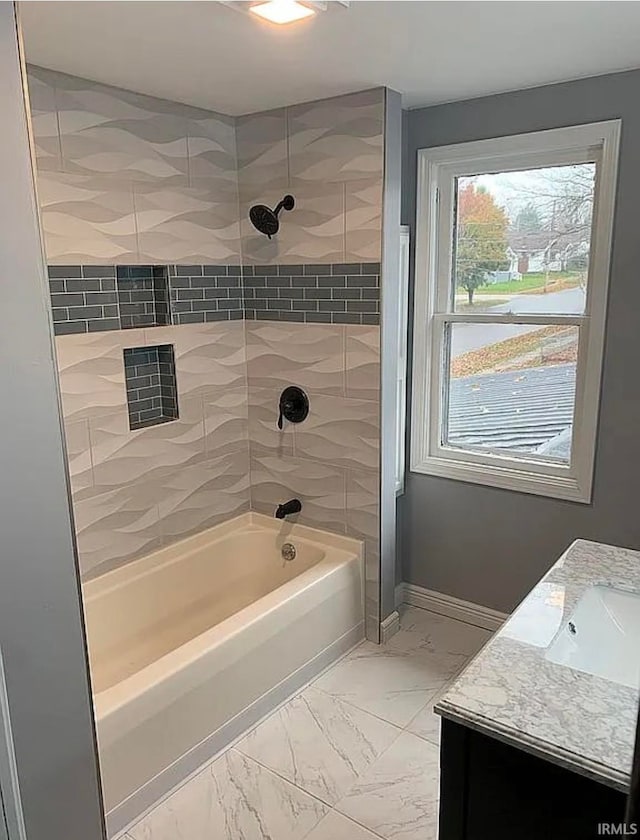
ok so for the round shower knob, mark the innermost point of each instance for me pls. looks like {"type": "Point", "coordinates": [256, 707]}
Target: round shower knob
{"type": "Point", "coordinates": [294, 405]}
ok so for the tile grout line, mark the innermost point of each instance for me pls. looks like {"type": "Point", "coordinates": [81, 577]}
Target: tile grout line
{"type": "Point", "coordinates": [280, 776]}
{"type": "Point", "coordinates": [334, 810]}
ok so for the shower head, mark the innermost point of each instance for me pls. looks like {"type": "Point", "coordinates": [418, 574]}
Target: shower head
{"type": "Point", "coordinates": [265, 220]}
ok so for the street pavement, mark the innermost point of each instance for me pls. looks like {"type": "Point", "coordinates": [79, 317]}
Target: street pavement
{"type": "Point", "coordinates": [467, 337]}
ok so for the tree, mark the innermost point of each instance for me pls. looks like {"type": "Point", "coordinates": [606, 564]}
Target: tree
{"type": "Point", "coordinates": [481, 241]}
{"type": "Point", "coordinates": [528, 219]}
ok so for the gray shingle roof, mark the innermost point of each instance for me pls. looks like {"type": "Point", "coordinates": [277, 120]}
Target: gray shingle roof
{"type": "Point", "coordinates": [518, 410]}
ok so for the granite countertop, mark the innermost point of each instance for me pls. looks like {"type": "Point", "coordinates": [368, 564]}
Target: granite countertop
{"type": "Point", "coordinates": [511, 692]}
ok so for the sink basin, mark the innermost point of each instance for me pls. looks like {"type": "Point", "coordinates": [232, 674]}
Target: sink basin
{"type": "Point", "coordinates": [602, 637]}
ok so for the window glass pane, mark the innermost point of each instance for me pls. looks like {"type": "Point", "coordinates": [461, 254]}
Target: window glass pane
{"type": "Point", "coordinates": [522, 240]}
{"type": "Point", "coordinates": [511, 388]}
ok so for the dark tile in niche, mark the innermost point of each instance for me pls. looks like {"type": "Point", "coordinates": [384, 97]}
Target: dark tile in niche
{"type": "Point", "coordinates": [150, 380]}
{"type": "Point", "coordinates": [143, 295]}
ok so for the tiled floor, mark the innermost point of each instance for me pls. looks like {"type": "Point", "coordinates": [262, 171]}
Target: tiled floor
{"type": "Point", "coordinates": [352, 757]}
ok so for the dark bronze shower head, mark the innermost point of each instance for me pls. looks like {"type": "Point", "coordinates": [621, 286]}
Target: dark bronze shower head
{"type": "Point", "coordinates": [265, 220]}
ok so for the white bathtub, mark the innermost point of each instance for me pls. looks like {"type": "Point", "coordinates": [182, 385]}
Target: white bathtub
{"type": "Point", "coordinates": [190, 645]}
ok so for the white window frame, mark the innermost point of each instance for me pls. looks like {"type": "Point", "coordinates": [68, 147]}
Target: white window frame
{"type": "Point", "coordinates": [437, 169]}
{"type": "Point", "coordinates": [403, 346]}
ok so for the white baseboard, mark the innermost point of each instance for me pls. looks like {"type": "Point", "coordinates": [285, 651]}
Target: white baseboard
{"type": "Point", "coordinates": [390, 626]}
{"type": "Point", "coordinates": [437, 602]}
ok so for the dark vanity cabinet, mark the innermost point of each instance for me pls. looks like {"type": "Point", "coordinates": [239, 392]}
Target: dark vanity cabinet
{"type": "Point", "coordinates": [492, 791]}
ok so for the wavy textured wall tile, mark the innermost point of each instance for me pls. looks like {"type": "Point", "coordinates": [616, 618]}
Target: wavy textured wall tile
{"type": "Point", "coordinates": [363, 506]}
{"type": "Point", "coordinates": [261, 141]}
{"type": "Point", "coordinates": [44, 118]}
{"type": "Point", "coordinates": [203, 495]}
{"type": "Point", "coordinates": [207, 356]}
{"type": "Point", "coordinates": [363, 220]}
{"type": "Point", "coordinates": [363, 523]}
{"type": "Point", "coordinates": [79, 455]}
{"type": "Point", "coordinates": [109, 131]}
{"type": "Point", "coordinates": [122, 456]}
{"type": "Point", "coordinates": [363, 362]}
{"type": "Point", "coordinates": [91, 372]}
{"type": "Point", "coordinates": [87, 220]}
{"type": "Point", "coordinates": [263, 422]}
{"type": "Point", "coordinates": [105, 139]}
{"type": "Point", "coordinates": [225, 421]}
{"type": "Point", "coordinates": [134, 490]}
{"type": "Point", "coordinates": [308, 355]}
{"type": "Point", "coordinates": [192, 167]}
{"type": "Point", "coordinates": [313, 232]}
{"type": "Point", "coordinates": [338, 139]}
{"type": "Point", "coordinates": [329, 154]}
{"type": "Point", "coordinates": [186, 225]}
{"type": "Point", "coordinates": [117, 526]}
{"type": "Point", "coordinates": [319, 486]}
{"type": "Point", "coordinates": [340, 431]}
{"type": "Point", "coordinates": [211, 140]}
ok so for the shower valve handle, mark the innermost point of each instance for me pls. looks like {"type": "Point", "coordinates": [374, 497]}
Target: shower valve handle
{"type": "Point", "coordinates": [293, 406]}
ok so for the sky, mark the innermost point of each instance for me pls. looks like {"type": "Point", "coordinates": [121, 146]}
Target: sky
{"type": "Point", "coordinates": [514, 190]}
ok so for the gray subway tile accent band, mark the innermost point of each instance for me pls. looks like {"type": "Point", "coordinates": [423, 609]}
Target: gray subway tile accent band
{"type": "Point", "coordinates": [341, 293]}
{"type": "Point", "coordinates": [201, 294]}
{"type": "Point", "coordinates": [90, 298]}
{"type": "Point", "coordinates": [83, 299]}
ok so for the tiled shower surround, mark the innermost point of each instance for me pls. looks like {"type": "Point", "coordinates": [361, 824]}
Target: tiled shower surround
{"type": "Point", "coordinates": [144, 191]}
{"type": "Point", "coordinates": [136, 490]}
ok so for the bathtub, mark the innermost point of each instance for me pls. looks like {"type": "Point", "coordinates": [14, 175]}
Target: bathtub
{"type": "Point", "coordinates": [192, 644]}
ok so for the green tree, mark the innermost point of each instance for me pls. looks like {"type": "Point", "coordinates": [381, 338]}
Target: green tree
{"type": "Point", "coordinates": [481, 240]}
{"type": "Point", "coordinates": [528, 219]}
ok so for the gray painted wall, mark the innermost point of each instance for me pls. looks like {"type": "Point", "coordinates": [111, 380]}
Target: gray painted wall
{"type": "Point", "coordinates": [41, 627]}
{"type": "Point", "coordinates": [487, 545]}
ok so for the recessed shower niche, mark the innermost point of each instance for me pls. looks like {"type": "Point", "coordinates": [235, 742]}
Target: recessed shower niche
{"type": "Point", "coordinates": [143, 296]}
{"type": "Point", "coordinates": [150, 379]}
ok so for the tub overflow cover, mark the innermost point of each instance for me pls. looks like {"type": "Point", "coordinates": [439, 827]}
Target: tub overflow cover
{"type": "Point", "coordinates": [294, 405]}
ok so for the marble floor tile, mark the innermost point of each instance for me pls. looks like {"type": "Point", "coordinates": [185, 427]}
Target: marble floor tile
{"type": "Point", "coordinates": [319, 743]}
{"type": "Point", "coordinates": [397, 797]}
{"type": "Point", "coordinates": [392, 685]}
{"type": "Point", "coordinates": [396, 680]}
{"type": "Point", "coordinates": [424, 631]}
{"type": "Point", "coordinates": [233, 799]}
{"type": "Point", "coordinates": [337, 827]}
{"type": "Point", "coordinates": [426, 724]}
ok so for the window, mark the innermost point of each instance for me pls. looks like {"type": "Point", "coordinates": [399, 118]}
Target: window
{"type": "Point", "coordinates": [512, 264]}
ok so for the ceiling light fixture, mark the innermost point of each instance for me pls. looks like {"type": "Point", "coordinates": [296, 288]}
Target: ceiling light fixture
{"type": "Point", "coordinates": [282, 11]}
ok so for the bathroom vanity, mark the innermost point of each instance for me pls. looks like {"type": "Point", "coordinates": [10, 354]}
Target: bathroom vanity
{"type": "Point", "coordinates": [538, 731]}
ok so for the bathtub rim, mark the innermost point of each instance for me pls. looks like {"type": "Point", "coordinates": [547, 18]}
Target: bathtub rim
{"type": "Point", "coordinates": [131, 570]}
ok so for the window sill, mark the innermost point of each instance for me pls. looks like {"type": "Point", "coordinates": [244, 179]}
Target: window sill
{"type": "Point", "coordinates": [507, 478]}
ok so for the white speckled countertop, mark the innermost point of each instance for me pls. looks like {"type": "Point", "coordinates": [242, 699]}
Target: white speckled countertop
{"type": "Point", "coordinates": [511, 692]}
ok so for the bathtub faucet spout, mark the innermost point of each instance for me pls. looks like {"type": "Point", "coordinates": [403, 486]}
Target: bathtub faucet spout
{"type": "Point", "coordinates": [286, 509]}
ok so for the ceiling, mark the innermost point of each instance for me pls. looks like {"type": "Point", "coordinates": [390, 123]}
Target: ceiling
{"type": "Point", "coordinates": [209, 55]}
